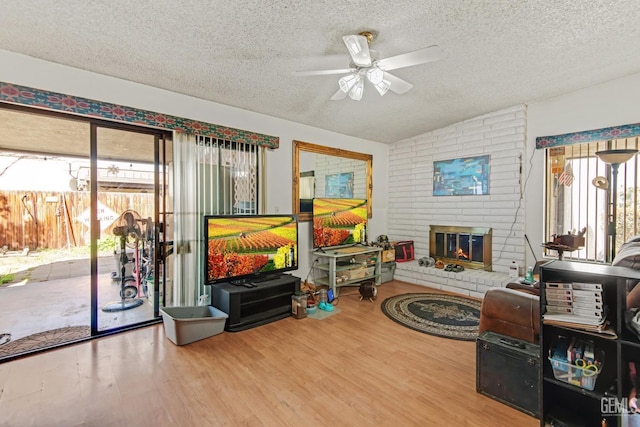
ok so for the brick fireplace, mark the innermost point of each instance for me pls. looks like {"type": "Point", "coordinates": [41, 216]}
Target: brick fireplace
{"type": "Point", "coordinates": [467, 246]}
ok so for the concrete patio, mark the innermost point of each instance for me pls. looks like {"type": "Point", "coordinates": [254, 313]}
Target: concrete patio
{"type": "Point", "coordinates": [46, 295]}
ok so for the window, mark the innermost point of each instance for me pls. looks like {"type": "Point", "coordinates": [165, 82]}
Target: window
{"type": "Point", "coordinates": [230, 176]}
{"type": "Point", "coordinates": [578, 197]}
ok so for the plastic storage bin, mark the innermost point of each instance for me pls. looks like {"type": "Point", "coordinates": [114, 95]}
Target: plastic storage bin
{"type": "Point", "coordinates": [388, 269]}
{"type": "Point", "coordinates": [584, 377]}
{"type": "Point", "coordinates": [356, 273]}
{"type": "Point", "coordinates": [184, 325]}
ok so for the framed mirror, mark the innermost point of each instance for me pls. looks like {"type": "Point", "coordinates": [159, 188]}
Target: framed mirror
{"type": "Point", "coordinates": [320, 171]}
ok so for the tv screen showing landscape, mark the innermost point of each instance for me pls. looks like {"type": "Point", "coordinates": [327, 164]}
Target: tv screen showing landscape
{"type": "Point", "coordinates": [338, 221]}
{"type": "Point", "coordinates": [242, 246]}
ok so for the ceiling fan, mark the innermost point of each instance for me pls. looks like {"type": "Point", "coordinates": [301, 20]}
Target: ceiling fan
{"type": "Point", "coordinates": [366, 65]}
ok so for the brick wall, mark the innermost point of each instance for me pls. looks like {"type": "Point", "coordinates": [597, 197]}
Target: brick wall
{"type": "Point", "coordinates": [331, 165]}
{"type": "Point", "coordinates": [413, 208]}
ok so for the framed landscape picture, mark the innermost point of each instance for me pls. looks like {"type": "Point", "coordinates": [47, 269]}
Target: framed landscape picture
{"type": "Point", "coordinates": [459, 177]}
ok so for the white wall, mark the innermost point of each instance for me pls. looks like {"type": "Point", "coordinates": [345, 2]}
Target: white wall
{"type": "Point", "coordinates": [609, 104]}
{"type": "Point", "coordinates": [413, 208]}
{"type": "Point", "coordinates": [27, 71]}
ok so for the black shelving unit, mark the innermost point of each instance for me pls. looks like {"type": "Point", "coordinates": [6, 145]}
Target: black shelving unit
{"type": "Point", "coordinates": [573, 403]}
{"type": "Point", "coordinates": [268, 301]}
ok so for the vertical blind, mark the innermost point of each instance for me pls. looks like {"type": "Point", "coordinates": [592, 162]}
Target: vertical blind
{"type": "Point", "coordinates": [211, 177]}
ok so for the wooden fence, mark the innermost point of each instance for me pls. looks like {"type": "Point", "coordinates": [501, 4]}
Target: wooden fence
{"type": "Point", "coordinates": [56, 220]}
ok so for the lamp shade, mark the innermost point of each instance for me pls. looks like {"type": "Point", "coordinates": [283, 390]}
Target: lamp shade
{"type": "Point", "coordinates": [348, 82]}
{"type": "Point", "coordinates": [382, 87]}
{"type": "Point", "coordinates": [375, 75]}
{"type": "Point", "coordinates": [356, 91]}
{"type": "Point", "coordinates": [615, 156]}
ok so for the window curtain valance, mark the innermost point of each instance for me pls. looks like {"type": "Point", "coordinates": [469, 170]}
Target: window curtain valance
{"type": "Point", "coordinates": [604, 134]}
{"type": "Point", "coordinates": [22, 95]}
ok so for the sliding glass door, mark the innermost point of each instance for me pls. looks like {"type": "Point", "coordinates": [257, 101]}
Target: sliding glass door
{"type": "Point", "coordinates": [123, 187]}
{"type": "Point", "coordinates": [81, 228]}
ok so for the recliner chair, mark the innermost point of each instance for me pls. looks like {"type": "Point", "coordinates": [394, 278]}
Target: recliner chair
{"type": "Point", "coordinates": [513, 311]}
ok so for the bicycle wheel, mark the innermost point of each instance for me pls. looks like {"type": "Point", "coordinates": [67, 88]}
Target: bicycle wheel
{"type": "Point", "coordinates": [129, 292]}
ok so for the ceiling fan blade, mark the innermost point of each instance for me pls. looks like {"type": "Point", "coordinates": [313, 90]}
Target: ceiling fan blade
{"type": "Point", "coordinates": [338, 95]}
{"type": "Point", "coordinates": [323, 72]}
{"type": "Point", "coordinates": [398, 85]}
{"type": "Point", "coordinates": [420, 56]}
{"type": "Point", "coordinates": [358, 47]}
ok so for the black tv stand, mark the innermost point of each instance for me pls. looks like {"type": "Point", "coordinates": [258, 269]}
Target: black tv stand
{"type": "Point", "coordinates": [268, 301]}
{"type": "Point", "coordinates": [265, 278]}
{"type": "Point", "coordinates": [253, 283]}
{"type": "Point", "coordinates": [243, 282]}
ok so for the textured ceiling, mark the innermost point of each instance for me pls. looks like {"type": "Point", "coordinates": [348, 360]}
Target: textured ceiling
{"type": "Point", "coordinates": [497, 53]}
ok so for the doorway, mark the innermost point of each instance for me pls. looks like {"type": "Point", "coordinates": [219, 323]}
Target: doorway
{"type": "Point", "coordinates": [84, 202]}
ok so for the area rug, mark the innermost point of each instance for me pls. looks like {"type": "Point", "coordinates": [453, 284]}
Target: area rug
{"type": "Point", "coordinates": [447, 316]}
{"type": "Point", "coordinates": [43, 340]}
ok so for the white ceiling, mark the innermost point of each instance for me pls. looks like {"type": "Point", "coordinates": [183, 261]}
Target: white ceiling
{"type": "Point", "coordinates": [497, 53]}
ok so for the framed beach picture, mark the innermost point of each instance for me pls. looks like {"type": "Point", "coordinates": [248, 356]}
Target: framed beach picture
{"type": "Point", "coordinates": [459, 177]}
{"type": "Point", "coordinates": [339, 185]}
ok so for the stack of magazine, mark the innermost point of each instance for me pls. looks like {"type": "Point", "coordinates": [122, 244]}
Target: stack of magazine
{"type": "Point", "coordinates": [575, 305]}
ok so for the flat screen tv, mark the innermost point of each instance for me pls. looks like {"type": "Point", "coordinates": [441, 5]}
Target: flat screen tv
{"type": "Point", "coordinates": [338, 221]}
{"type": "Point", "coordinates": [240, 249]}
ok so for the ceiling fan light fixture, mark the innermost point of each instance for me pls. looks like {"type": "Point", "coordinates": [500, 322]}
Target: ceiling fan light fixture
{"type": "Point", "coordinates": [382, 87]}
{"type": "Point", "coordinates": [375, 75]}
{"type": "Point", "coordinates": [358, 47]}
{"type": "Point", "coordinates": [348, 82]}
{"type": "Point", "coordinates": [356, 91]}
{"type": "Point", "coordinates": [352, 44]}
{"type": "Point", "coordinates": [366, 64]}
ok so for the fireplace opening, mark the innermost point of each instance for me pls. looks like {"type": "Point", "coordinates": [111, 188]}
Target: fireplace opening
{"type": "Point", "coordinates": [467, 246]}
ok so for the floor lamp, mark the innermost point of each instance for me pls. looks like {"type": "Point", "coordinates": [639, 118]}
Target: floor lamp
{"type": "Point", "coordinates": [614, 158]}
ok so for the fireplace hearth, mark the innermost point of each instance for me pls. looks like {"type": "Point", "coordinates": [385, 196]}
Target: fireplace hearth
{"type": "Point", "coordinates": [467, 246]}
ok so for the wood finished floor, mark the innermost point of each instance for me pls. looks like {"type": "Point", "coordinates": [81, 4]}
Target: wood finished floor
{"type": "Point", "coordinates": [356, 368]}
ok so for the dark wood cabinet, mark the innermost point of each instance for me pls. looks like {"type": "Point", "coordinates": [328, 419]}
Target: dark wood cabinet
{"type": "Point", "coordinates": [248, 307]}
{"type": "Point", "coordinates": [508, 370]}
{"type": "Point", "coordinates": [569, 394]}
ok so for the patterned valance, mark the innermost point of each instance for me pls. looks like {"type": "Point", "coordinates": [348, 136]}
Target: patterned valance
{"type": "Point", "coordinates": [605, 134]}
{"type": "Point", "coordinates": [22, 95]}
